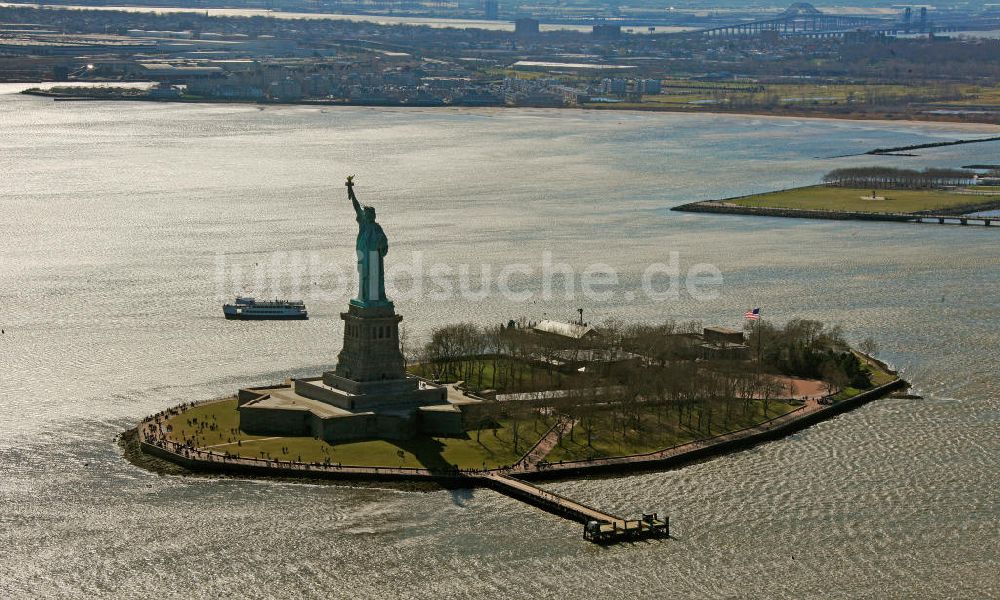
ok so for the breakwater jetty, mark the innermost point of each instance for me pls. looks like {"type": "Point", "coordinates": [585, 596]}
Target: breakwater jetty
{"type": "Point", "coordinates": [896, 149]}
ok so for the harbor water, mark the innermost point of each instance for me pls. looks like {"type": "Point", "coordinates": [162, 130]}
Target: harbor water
{"type": "Point", "coordinates": [126, 225]}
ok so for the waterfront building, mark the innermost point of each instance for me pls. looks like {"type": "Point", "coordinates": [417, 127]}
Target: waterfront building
{"type": "Point", "coordinates": [723, 335]}
{"type": "Point", "coordinates": [526, 26]}
{"type": "Point", "coordinates": [165, 91]}
{"type": "Point", "coordinates": [565, 331]}
{"type": "Point", "coordinates": [607, 32]}
{"type": "Point", "coordinates": [491, 9]}
{"type": "Point", "coordinates": [650, 86]}
{"type": "Point", "coordinates": [615, 86]}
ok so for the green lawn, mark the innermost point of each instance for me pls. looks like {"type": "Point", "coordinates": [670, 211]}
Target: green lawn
{"type": "Point", "coordinates": [879, 376]}
{"type": "Point", "coordinates": [431, 452]}
{"type": "Point", "coordinates": [977, 95]}
{"type": "Point", "coordinates": [850, 199]}
{"type": "Point", "coordinates": [209, 424]}
{"type": "Point", "coordinates": [657, 431]}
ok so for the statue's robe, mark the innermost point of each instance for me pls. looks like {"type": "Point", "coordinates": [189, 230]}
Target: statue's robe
{"type": "Point", "coordinates": [372, 246]}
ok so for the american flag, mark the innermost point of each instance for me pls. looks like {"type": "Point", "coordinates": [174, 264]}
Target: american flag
{"type": "Point", "coordinates": [753, 315]}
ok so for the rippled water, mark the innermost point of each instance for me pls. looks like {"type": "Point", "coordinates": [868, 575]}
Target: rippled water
{"type": "Point", "coordinates": [116, 215]}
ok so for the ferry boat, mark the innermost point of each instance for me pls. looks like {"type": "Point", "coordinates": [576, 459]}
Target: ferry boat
{"type": "Point", "coordinates": [247, 308]}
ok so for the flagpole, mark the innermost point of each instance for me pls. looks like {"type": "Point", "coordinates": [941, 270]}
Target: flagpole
{"type": "Point", "coordinates": [754, 315]}
{"type": "Point", "coordinates": [758, 343]}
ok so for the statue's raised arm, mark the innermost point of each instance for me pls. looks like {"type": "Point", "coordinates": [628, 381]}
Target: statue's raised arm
{"type": "Point", "coordinates": [350, 194]}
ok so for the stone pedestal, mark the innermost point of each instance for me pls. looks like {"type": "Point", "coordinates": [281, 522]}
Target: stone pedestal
{"type": "Point", "coordinates": [371, 344]}
{"type": "Point", "coordinates": [371, 373]}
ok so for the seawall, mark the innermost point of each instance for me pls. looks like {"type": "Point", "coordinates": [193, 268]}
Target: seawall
{"type": "Point", "coordinates": [726, 207]}
{"type": "Point", "coordinates": [734, 209]}
{"type": "Point", "coordinates": [275, 469]}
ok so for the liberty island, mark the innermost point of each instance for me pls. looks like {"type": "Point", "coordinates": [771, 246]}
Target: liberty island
{"type": "Point", "coordinates": [339, 425]}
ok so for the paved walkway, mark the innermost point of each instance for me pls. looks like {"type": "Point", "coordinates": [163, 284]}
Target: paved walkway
{"type": "Point", "coordinates": [250, 441]}
{"type": "Point", "coordinates": [542, 448]}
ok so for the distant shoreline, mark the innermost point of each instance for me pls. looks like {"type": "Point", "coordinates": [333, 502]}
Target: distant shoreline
{"type": "Point", "coordinates": [79, 94]}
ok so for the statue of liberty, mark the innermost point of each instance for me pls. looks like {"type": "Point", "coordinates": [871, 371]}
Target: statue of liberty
{"type": "Point", "coordinates": [372, 246]}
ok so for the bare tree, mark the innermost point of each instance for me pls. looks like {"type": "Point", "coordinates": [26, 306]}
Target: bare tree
{"type": "Point", "coordinates": [404, 345]}
{"type": "Point", "coordinates": [869, 346]}
{"type": "Point", "coordinates": [834, 377]}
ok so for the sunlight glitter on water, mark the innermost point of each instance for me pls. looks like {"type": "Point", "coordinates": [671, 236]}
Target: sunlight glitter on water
{"type": "Point", "coordinates": [114, 215]}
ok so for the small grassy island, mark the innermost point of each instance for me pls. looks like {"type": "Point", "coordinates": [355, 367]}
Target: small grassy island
{"type": "Point", "coordinates": [534, 401]}
{"type": "Point", "coordinates": [933, 195]}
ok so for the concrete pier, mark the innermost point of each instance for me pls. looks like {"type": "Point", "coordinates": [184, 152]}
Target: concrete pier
{"type": "Point", "coordinates": [599, 527]}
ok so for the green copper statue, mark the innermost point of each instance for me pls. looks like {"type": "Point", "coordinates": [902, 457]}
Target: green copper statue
{"type": "Point", "coordinates": [372, 246]}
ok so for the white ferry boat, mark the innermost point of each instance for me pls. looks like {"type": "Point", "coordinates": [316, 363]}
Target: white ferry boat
{"type": "Point", "coordinates": [248, 308]}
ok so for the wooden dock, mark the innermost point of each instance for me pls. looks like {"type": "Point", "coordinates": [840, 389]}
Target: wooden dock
{"type": "Point", "coordinates": [598, 526]}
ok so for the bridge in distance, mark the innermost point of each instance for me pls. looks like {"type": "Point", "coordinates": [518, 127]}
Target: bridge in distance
{"type": "Point", "coordinates": [803, 19]}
